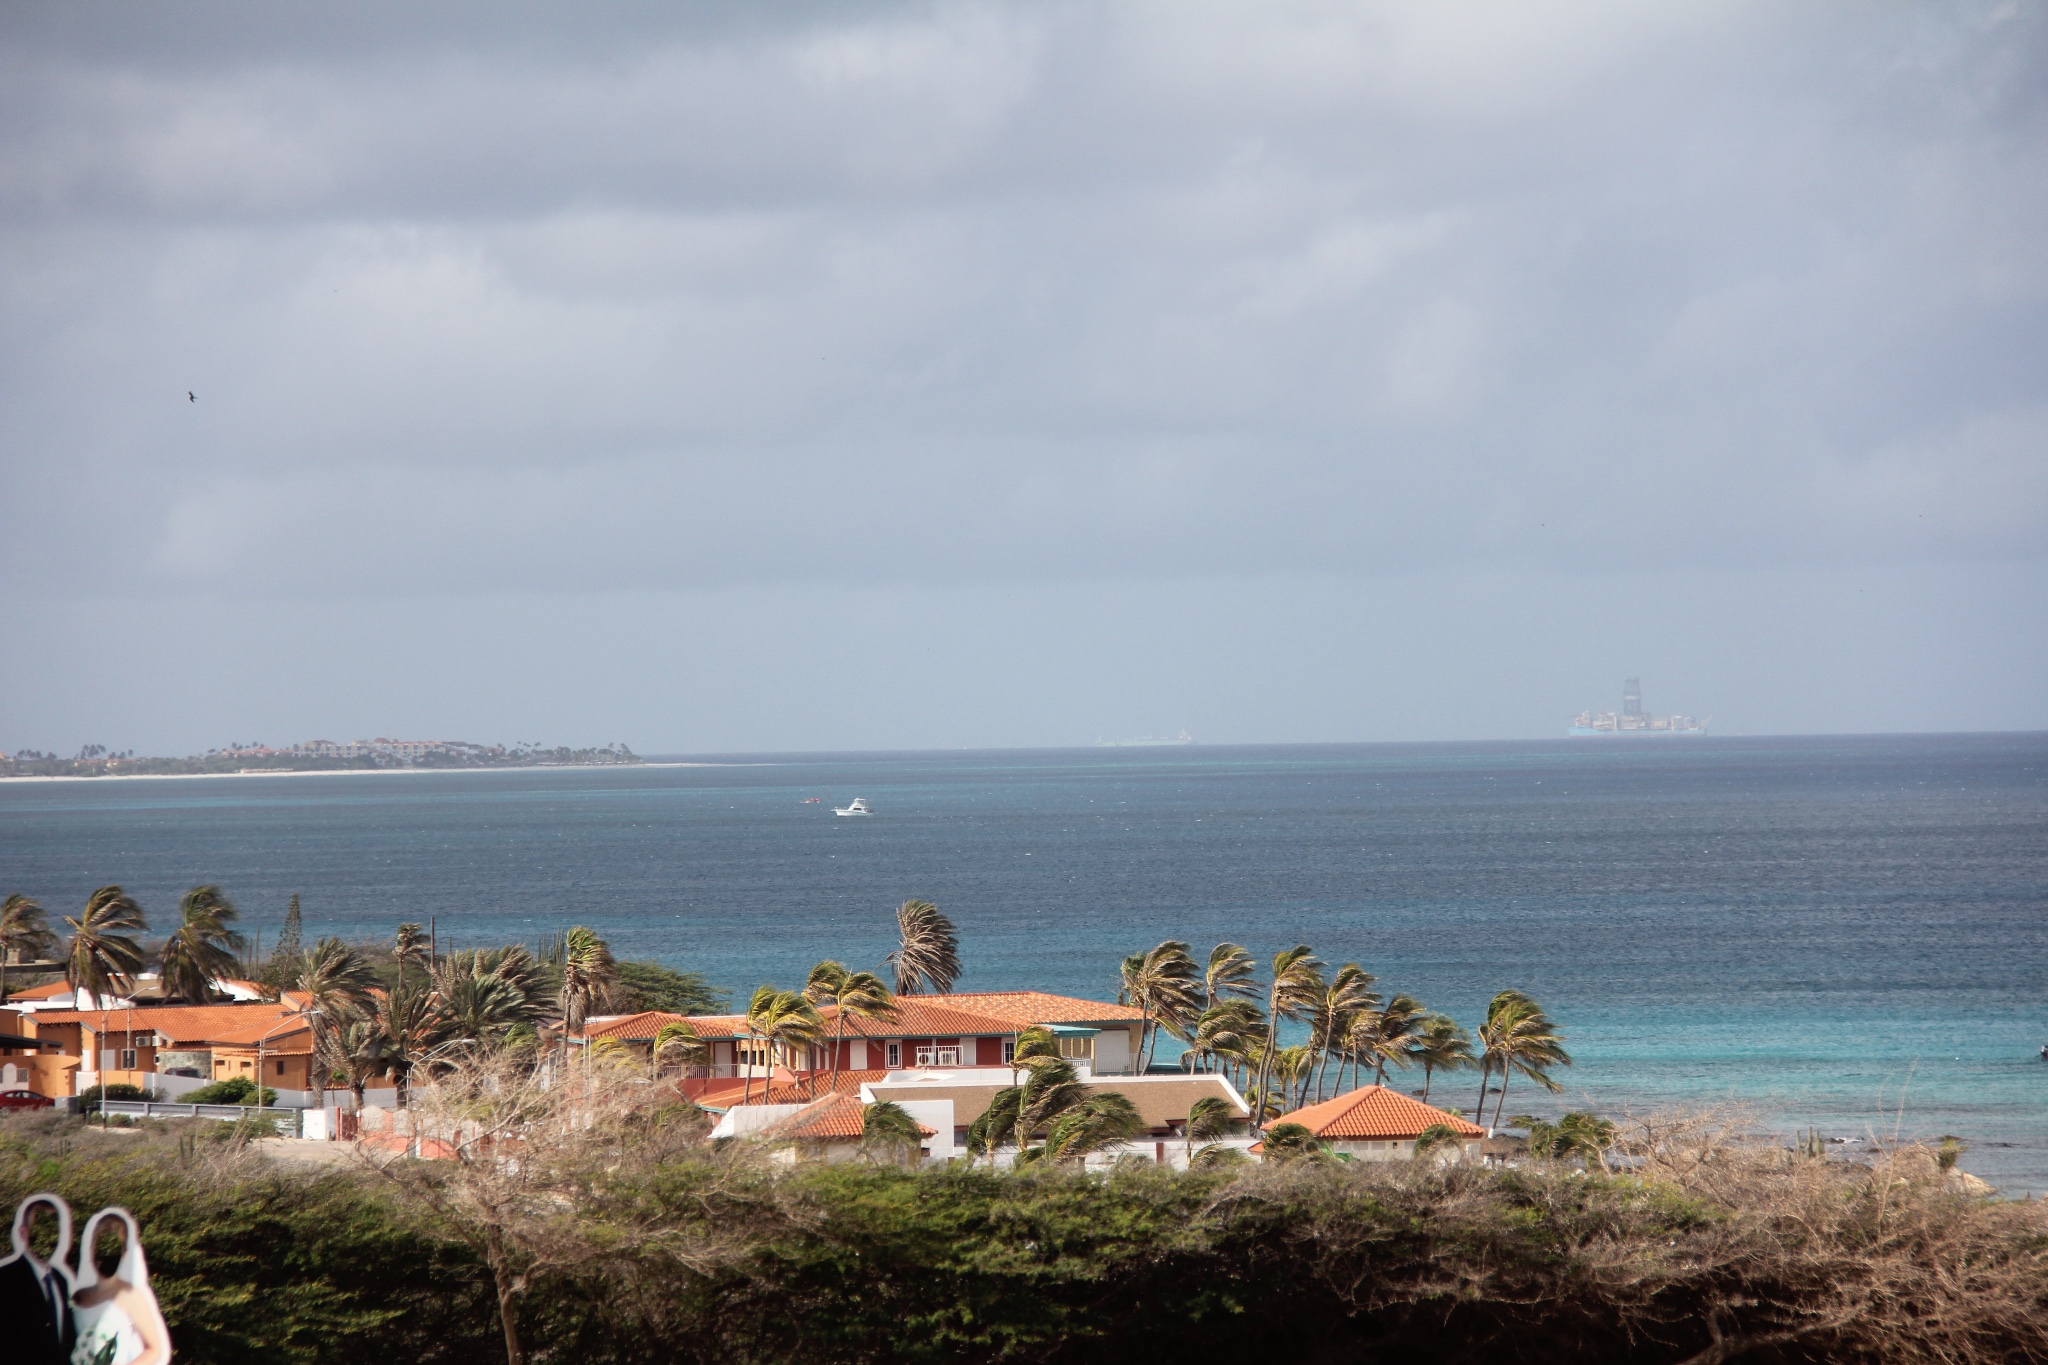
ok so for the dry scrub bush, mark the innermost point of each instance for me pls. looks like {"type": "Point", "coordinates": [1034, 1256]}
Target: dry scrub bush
{"type": "Point", "coordinates": [1694, 1244]}
{"type": "Point", "coordinates": [552, 1173]}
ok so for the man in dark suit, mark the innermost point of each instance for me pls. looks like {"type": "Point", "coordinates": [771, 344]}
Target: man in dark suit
{"type": "Point", "coordinates": [37, 1314]}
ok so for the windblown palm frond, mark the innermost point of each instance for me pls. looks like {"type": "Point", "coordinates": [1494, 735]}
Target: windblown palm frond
{"type": "Point", "coordinates": [888, 1132]}
{"type": "Point", "coordinates": [1518, 1036]}
{"type": "Point", "coordinates": [676, 1044]}
{"type": "Point", "coordinates": [201, 950]}
{"type": "Point", "coordinates": [1332, 1014]}
{"type": "Point", "coordinates": [24, 935]}
{"type": "Point", "coordinates": [1297, 981]}
{"type": "Point", "coordinates": [1439, 1043]}
{"type": "Point", "coordinates": [411, 946]}
{"type": "Point", "coordinates": [588, 977]}
{"type": "Point", "coordinates": [1208, 1119]}
{"type": "Point", "coordinates": [927, 956]}
{"type": "Point", "coordinates": [101, 958]}
{"type": "Point", "coordinates": [1166, 985]}
{"type": "Point", "coordinates": [1230, 972]}
{"type": "Point", "coordinates": [1099, 1121]}
{"type": "Point", "coordinates": [410, 1024]}
{"type": "Point", "coordinates": [338, 984]}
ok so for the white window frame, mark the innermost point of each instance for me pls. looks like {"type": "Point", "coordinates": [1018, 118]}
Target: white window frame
{"type": "Point", "coordinates": [127, 1059]}
{"type": "Point", "coordinates": [895, 1056]}
{"type": "Point", "coordinates": [1009, 1051]}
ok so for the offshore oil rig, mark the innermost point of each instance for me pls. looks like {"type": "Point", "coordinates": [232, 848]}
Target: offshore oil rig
{"type": "Point", "coordinates": [1632, 719]}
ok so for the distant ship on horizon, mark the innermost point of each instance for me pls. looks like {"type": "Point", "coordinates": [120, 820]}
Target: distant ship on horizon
{"type": "Point", "coordinates": [1633, 720]}
{"type": "Point", "coordinates": [1145, 741]}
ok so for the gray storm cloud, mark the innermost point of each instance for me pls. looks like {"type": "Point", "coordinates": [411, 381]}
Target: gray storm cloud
{"type": "Point", "coordinates": [679, 299]}
{"type": "Point", "coordinates": [1031, 290]}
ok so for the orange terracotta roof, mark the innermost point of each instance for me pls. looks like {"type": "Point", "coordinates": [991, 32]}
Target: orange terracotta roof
{"type": "Point", "coordinates": [180, 1023]}
{"type": "Point", "coordinates": [920, 1016]}
{"type": "Point", "coordinates": [287, 1033]}
{"type": "Point", "coordinates": [1378, 1113]}
{"type": "Point", "coordinates": [642, 1027]}
{"type": "Point", "coordinates": [980, 1014]}
{"type": "Point", "coordinates": [49, 990]}
{"type": "Point", "coordinates": [1038, 1007]}
{"type": "Point", "coordinates": [784, 1088]}
{"type": "Point", "coordinates": [835, 1116]}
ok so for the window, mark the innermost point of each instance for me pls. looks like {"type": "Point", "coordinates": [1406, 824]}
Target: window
{"type": "Point", "coordinates": [127, 1062]}
{"type": "Point", "coordinates": [1081, 1048]}
{"type": "Point", "coordinates": [938, 1056]}
{"type": "Point", "coordinates": [1009, 1051]}
{"type": "Point", "coordinates": [280, 1066]}
{"type": "Point", "coordinates": [895, 1055]}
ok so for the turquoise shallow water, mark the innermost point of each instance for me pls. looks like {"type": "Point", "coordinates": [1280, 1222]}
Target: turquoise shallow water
{"type": "Point", "coordinates": [1849, 934]}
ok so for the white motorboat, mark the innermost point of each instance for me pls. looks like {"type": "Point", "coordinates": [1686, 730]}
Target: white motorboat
{"type": "Point", "coordinates": [859, 807]}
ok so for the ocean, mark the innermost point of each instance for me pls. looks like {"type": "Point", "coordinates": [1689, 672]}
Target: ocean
{"type": "Point", "coordinates": [1842, 934]}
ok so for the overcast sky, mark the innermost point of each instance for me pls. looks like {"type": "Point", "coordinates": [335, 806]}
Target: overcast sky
{"type": "Point", "coordinates": [857, 376]}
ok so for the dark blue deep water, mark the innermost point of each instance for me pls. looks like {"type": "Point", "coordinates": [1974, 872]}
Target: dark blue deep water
{"type": "Point", "coordinates": [1848, 933]}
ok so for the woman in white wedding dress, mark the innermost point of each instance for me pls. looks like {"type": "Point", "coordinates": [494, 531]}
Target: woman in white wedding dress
{"type": "Point", "coordinates": [118, 1320]}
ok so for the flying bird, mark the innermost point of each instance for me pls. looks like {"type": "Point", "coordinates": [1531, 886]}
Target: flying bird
{"type": "Point", "coordinates": [191, 395]}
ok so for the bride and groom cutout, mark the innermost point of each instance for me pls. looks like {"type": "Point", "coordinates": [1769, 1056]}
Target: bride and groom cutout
{"type": "Point", "coordinates": [55, 1315]}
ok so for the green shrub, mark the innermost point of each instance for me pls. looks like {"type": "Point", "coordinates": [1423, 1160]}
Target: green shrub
{"type": "Point", "coordinates": [89, 1098]}
{"type": "Point", "coordinates": [234, 1090]}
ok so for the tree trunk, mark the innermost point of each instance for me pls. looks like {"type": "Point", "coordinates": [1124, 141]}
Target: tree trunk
{"type": "Point", "coordinates": [1503, 1101]}
{"type": "Point", "coordinates": [1485, 1070]}
{"type": "Point", "coordinates": [1265, 1061]}
{"type": "Point", "coordinates": [508, 1293]}
{"type": "Point", "coordinates": [1425, 1082]}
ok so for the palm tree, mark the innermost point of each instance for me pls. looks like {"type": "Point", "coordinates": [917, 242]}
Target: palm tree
{"type": "Point", "coordinates": [409, 1022]}
{"type": "Point", "coordinates": [1229, 1034]}
{"type": "Point", "coordinates": [1208, 1119]}
{"type": "Point", "coordinates": [354, 1051]}
{"type": "Point", "coordinates": [101, 958]}
{"type": "Point", "coordinates": [338, 983]}
{"type": "Point", "coordinates": [1051, 1087]}
{"type": "Point", "coordinates": [1381, 1036]}
{"type": "Point", "coordinates": [201, 950]}
{"type": "Point", "coordinates": [1518, 1036]}
{"type": "Point", "coordinates": [1166, 985]}
{"type": "Point", "coordinates": [24, 933]}
{"type": "Point", "coordinates": [1297, 979]}
{"type": "Point", "coordinates": [1439, 1043]}
{"type": "Point", "coordinates": [1230, 973]}
{"type": "Point", "coordinates": [927, 956]}
{"type": "Point", "coordinates": [482, 994]}
{"type": "Point", "coordinates": [1292, 1068]}
{"type": "Point", "coordinates": [409, 946]}
{"type": "Point", "coordinates": [855, 995]}
{"type": "Point", "coordinates": [782, 1020]}
{"type": "Point", "coordinates": [1101, 1120]}
{"type": "Point", "coordinates": [1294, 1142]}
{"type": "Point", "coordinates": [888, 1127]}
{"type": "Point", "coordinates": [1576, 1135]}
{"type": "Point", "coordinates": [1348, 993]}
{"type": "Point", "coordinates": [588, 976]}
{"type": "Point", "coordinates": [822, 989]}
{"type": "Point", "coordinates": [1434, 1136]}
{"type": "Point", "coordinates": [676, 1044]}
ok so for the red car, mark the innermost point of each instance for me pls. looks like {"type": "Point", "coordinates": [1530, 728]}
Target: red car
{"type": "Point", "coordinates": [25, 1099]}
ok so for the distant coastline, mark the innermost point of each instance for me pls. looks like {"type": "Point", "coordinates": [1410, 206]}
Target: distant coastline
{"type": "Point", "coordinates": [358, 772]}
{"type": "Point", "coordinates": [95, 764]}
